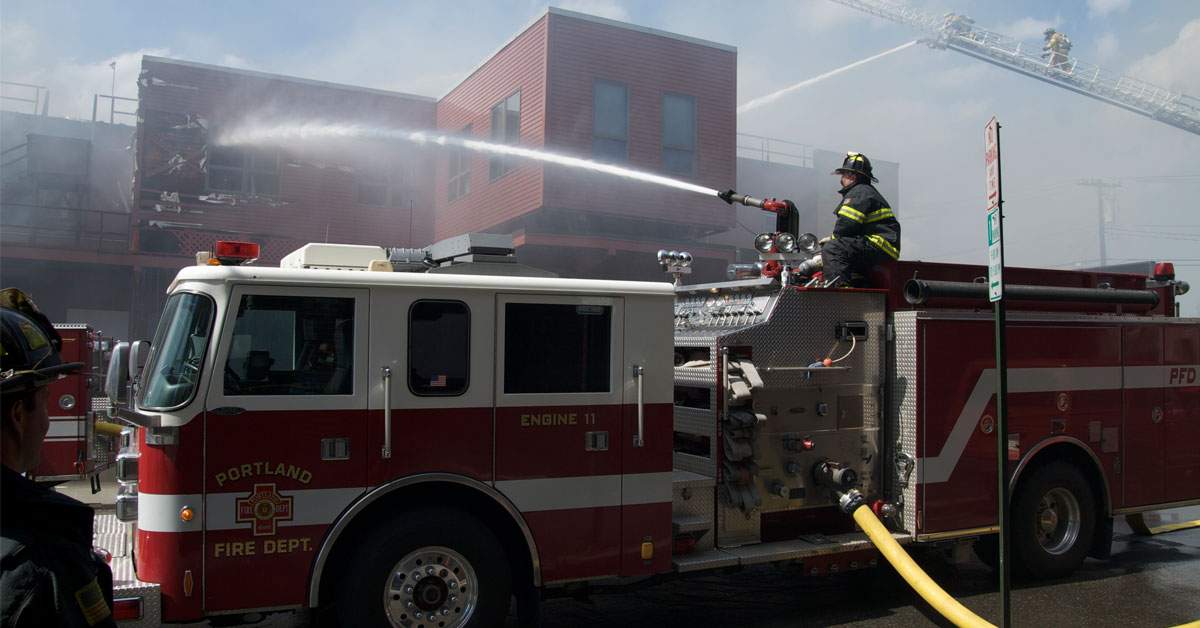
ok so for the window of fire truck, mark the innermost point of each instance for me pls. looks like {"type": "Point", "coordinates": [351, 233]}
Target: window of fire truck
{"type": "Point", "coordinates": [557, 348]}
{"type": "Point", "coordinates": [178, 356]}
{"type": "Point", "coordinates": [439, 348]}
{"type": "Point", "coordinates": [291, 345]}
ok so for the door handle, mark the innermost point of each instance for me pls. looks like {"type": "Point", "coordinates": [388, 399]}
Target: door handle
{"type": "Point", "coordinates": [638, 374]}
{"type": "Point", "coordinates": [386, 372]}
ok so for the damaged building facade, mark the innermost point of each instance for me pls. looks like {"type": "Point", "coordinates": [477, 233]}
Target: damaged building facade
{"type": "Point", "coordinates": [568, 83]}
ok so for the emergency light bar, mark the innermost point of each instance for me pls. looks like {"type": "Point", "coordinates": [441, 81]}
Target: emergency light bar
{"type": "Point", "coordinates": [232, 253]}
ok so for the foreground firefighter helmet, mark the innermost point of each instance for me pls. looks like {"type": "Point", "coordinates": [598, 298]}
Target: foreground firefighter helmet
{"type": "Point", "coordinates": [29, 345]}
{"type": "Point", "coordinates": [858, 164]}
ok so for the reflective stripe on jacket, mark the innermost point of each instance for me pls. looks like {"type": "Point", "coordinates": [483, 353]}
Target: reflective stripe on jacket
{"type": "Point", "coordinates": [864, 212]}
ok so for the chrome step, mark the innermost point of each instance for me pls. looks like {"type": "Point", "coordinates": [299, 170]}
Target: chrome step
{"type": "Point", "coordinates": [694, 523]}
{"type": "Point", "coordinates": [115, 538]}
{"type": "Point", "coordinates": [700, 561]}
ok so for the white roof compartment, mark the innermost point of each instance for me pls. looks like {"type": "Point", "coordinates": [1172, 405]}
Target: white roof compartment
{"type": "Point", "coordinates": [333, 256]}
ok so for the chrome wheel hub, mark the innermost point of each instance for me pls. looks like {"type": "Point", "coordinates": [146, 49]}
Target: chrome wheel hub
{"type": "Point", "coordinates": [1058, 521]}
{"type": "Point", "coordinates": [431, 587]}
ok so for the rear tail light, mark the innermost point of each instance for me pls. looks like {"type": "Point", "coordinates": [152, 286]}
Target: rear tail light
{"type": "Point", "coordinates": [231, 253]}
{"type": "Point", "coordinates": [127, 608]}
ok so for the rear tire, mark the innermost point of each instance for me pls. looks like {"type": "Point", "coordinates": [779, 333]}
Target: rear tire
{"type": "Point", "coordinates": [434, 568]}
{"type": "Point", "coordinates": [1053, 521]}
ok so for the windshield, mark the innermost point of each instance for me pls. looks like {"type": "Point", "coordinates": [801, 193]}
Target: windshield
{"type": "Point", "coordinates": [178, 352]}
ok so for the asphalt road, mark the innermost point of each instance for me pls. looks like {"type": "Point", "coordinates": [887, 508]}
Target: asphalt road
{"type": "Point", "coordinates": [1151, 581]}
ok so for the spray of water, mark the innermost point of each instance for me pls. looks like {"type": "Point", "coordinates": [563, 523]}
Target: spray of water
{"type": "Point", "coordinates": [773, 96]}
{"type": "Point", "coordinates": [260, 134]}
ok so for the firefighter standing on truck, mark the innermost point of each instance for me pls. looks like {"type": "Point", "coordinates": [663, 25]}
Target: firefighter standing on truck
{"type": "Point", "coordinates": [49, 575]}
{"type": "Point", "coordinates": [866, 232]}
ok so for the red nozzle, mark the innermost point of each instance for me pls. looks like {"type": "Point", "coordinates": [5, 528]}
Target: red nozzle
{"type": "Point", "coordinates": [877, 506]}
{"type": "Point", "coordinates": [774, 205]}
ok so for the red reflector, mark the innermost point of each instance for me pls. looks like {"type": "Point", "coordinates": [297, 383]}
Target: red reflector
{"type": "Point", "coordinates": [127, 608]}
{"type": "Point", "coordinates": [1164, 271]}
{"type": "Point", "coordinates": [234, 253]}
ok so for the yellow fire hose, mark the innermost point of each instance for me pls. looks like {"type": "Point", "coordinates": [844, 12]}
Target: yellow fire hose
{"type": "Point", "coordinates": [916, 577]}
{"type": "Point", "coordinates": [110, 429]}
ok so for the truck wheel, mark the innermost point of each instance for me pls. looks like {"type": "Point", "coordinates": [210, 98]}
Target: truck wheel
{"type": "Point", "coordinates": [435, 568]}
{"type": "Point", "coordinates": [1053, 520]}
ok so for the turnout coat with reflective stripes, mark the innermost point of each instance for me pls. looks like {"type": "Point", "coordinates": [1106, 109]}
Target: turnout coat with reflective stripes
{"type": "Point", "coordinates": [863, 212]}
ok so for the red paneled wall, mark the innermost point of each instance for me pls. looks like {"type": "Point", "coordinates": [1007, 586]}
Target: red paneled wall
{"type": "Point", "coordinates": [649, 65]}
{"type": "Point", "coordinates": [521, 65]}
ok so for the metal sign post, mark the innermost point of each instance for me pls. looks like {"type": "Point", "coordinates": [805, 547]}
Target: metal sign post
{"type": "Point", "coordinates": [995, 199]}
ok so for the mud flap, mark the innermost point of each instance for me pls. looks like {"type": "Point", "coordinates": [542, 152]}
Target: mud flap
{"type": "Point", "coordinates": [1102, 539]}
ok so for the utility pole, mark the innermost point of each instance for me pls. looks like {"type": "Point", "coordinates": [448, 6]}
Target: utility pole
{"type": "Point", "coordinates": [112, 94]}
{"type": "Point", "coordinates": [1102, 185]}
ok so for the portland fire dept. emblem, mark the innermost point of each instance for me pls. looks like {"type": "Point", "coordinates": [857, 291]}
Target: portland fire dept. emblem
{"type": "Point", "coordinates": [265, 507]}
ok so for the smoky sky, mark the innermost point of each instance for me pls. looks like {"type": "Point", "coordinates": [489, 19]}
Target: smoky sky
{"type": "Point", "coordinates": [922, 108]}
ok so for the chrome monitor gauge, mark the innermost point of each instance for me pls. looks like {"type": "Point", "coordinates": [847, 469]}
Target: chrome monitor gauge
{"type": "Point", "coordinates": [66, 402]}
{"type": "Point", "coordinates": [807, 242]}
{"type": "Point", "coordinates": [763, 242]}
{"type": "Point", "coordinates": [786, 243]}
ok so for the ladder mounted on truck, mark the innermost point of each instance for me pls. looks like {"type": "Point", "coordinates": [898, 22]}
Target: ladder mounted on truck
{"type": "Point", "coordinates": [958, 33]}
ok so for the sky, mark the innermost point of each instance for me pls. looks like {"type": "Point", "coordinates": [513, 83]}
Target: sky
{"type": "Point", "coordinates": [923, 108]}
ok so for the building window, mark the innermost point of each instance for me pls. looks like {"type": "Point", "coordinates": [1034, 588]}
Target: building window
{"type": "Point", "coordinates": [439, 348]}
{"type": "Point", "coordinates": [460, 170]}
{"type": "Point", "coordinates": [379, 186]}
{"type": "Point", "coordinates": [286, 345]}
{"type": "Point", "coordinates": [679, 133]}
{"type": "Point", "coordinates": [557, 348]}
{"type": "Point", "coordinates": [506, 129]}
{"type": "Point", "coordinates": [610, 121]}
{"type": "Point", "coordinates": [243, 171]}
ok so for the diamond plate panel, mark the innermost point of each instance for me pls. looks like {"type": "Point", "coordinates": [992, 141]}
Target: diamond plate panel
{"type": "Point", "coordinates": [693, 496]}
{"type": "Point", "coordinates": [903, 387]}
{"type": "Point", "coordinates": [114, 536]}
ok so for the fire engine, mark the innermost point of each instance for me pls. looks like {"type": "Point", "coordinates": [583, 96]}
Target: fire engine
{"type": "Point", "coordinates": [417, 437]}
{"type": "Point", "coordinates": [79, 445]}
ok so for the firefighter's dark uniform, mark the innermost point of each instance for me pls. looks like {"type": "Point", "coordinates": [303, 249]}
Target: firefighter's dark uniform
{"type": "Point", "coordinates": [49, 575]}
{"type": "Point", "coordinates": [865, 234]}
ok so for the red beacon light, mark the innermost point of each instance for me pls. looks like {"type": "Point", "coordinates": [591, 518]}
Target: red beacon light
{"type": "Point", "coordinates": [231, 253]}
{"type": "Point", "coordinates": [1164, 271]}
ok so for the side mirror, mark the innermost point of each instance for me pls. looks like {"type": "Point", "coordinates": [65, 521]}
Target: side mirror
{"type": "Point", "coordinates": [116, 381]}
{"type": "Point", "coordinates": [138, 352]}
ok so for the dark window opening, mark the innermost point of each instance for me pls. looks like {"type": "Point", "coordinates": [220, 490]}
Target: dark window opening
{"type": "Point", "coordinates": [439, 348]}
{"type": "Point", "coordinates": [557, 348]}
{"type": "Point", "coordinates": [679, 133]}
{"type": "Point", "coordinates": [506, 129]}
{"type": "Point", "coordinates": [244, 171]}
{"type": "Point", "coordinates": [460, 170]}
{"type": "Point", "coordinates": [610, 121]}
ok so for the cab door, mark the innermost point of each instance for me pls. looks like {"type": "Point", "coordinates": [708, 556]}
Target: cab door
{"type": "Point", "coordinates": [560, 392]}
{"type": "Point", "coordinates": [285, 438]}
{"type": "Point", "coordinates": [430, 380]}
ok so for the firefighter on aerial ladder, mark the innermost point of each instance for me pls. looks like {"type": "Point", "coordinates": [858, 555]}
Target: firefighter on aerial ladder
{"type": "Point", "coordinates": [866, 232]}
{"type": "Point", "coordinates": [1056, 49]}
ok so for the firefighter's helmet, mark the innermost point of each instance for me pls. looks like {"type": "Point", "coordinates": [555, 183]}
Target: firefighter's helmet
{"type": "Point", "coordinates": [29, 345]}
{"type": "Point", "coordinates": [858, 164]}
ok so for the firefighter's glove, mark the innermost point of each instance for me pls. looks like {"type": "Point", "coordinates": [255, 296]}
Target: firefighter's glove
{"type": "Point", "coordinates": [727, 195]}
{"type": "Point", "coordinates": [825, 240]}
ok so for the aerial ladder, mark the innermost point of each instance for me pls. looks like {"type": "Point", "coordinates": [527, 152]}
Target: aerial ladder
{"type": "Point", "coordinates": [958, 32]}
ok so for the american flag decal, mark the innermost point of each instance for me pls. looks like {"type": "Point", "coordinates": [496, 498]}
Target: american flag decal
{"type": "Point", "coordinates": [438, 382]}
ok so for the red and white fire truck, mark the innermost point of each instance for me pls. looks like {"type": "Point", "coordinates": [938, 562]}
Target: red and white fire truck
{"type": "Point", "coordinates": [74, 448]}
{"type": "Point", "coordinates": [415, 438]}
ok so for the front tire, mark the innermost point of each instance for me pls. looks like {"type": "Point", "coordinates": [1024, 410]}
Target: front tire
{"type": "Point", "coordinates": [433, 568]}
{"type": "Point", "coordinates": [1053, 521]}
